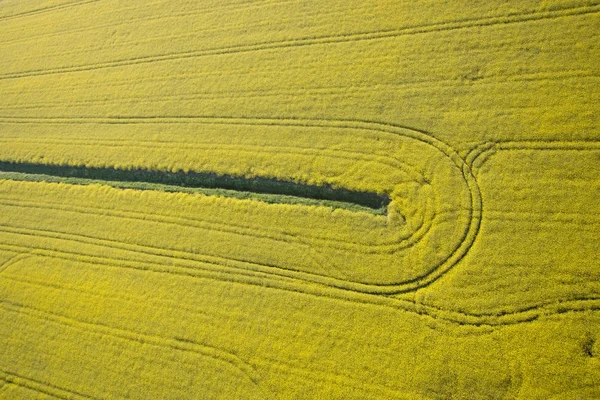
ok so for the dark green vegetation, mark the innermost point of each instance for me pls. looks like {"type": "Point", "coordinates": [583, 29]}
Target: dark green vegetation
{"type": "Point", "coordinates": [210, 184]}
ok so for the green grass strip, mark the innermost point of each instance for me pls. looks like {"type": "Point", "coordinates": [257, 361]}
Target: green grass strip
{"type": "Point", "coordinates": [237, 194]}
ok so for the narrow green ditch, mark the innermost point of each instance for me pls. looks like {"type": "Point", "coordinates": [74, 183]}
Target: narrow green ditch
{"type": "Point", "coordinates": [210, 184]}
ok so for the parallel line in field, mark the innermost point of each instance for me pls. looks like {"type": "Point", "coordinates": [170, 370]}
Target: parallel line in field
{"type": "Point", "coordinates": [348, 123]}
{"type": "Point", "coordinates": [329, 39]}
{"type": "Point", "coordinates": [196, 265]}
{"type": "Point", "coordinates": [205, 224]}
{"type": "Point", "coordinates": [240, 267]}
{"type": "Point", "coordinates": [154, 217]}
{"type": "Point", "coordinates": [266, 362]}
{"type": "Point", "coordinates": [124, 351]}
{"type": "Point", "coordinates": [318, 374]}
{"type": "Point", "coordinates": [222, 274]}
{"type": "Point", "coordinates": [285, 284]}
{"type": "Point", "coordinates": [172, 14]}
{"type": "Point", "coordinates": [190, 36]}
{"type": "Point", "coordinates": [191, 222]}
{"type": "Point", "coordinates": [42, 387]}
{"type": "Point", "coordinates": [142, 338]}
{"type": "Point", "coordinates": [122, 85]}
{"type": "Point", "coordinates": [590, 219]}
{"type": "Point", "coordinates": [304, 151]}
{"type": "Point", "coordinates": [252, 273]}
{"type": "Point", "coordinates": [481, 153]}
{"type": "Point", "coordinates": [244, 230]}
{"type": "Point", "coordinates": [214, 316]}
{"type": "Point", "coordinates": [175, 306]}
{"type": "Point", "coordinates": [310, 253]}
{"type": "Point", "coordinates": [568, 215]}
{"type": "Point", "coordinates": [291, 239]}
{"type": "Point", "coordinates": [499, 318]}
{"type": "Point", "coordinates": [481, 149]}
{"type": "Point", "coordinates": [466, 239]}
{"type": "Point", "coordinates": [127, 351]}
{"type": "Point", "coordinates": [120, 295]}
{"type": "Point", "coordinates": [46, 9]}
{"type": "Point", "coordinates": [325, 91]}
{"type": "Point", "coordinates": [262, 270]}
{"type": "Point", "coordinates": [12, 260]}
{"type": "Point", "coordinates": [342, 154]}
{"type": "Point", "coordinates": [411, 172]}
{"type": "Point", "coordinates": [524, 314]}
{"type": "Point", "coordinates": [583, 303]}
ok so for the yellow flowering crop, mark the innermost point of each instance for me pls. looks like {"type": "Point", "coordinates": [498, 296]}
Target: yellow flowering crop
{"type": "Point", "coordinates": [478, 120]}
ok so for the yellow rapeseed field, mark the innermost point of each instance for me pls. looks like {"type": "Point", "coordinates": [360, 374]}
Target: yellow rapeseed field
{"type": "Point", "coordinates": [478, 120]}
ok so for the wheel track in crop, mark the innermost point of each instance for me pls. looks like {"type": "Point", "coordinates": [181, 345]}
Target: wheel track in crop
{"type": "Point", "coordinates": [326, 39]}
{"type": "Point", "coordinates": [154, 250]}
{"type": "Point", "coordinates": [240, 229]}
{"type": "Point", "coordinates": [171, 15]}
{"type": "Point", "coordinates": [318, 374]}
{"type": "Point", "coordinates": [236, 266]}
{"type": "Point", "coordinates": [338, 38]}
{"type": "Point", "coordinates": [209, 267]}
{"type": "Point", "coordinates": [471, 228]}
{"type": "Point", "coordinates": [41, 387]}
{"type": "Point", "coordinates": [312, 91]}
{"type": "Point", "coordinates": [253, 149]}
{"type": "Point", "coordinates": [524, 314]}
{"type": "Point", "coordinates": [46, 9]}
{"type": "Point", "coordinates": [254, 121]}
{"type": "Point", "coordinates": [101, 329]}
{"type": "Point", "coordinates": [122, 84]}
{"type": "Point", "coordinates": [310, 375]}
{"type": "Point", "coordinates": [479, 155]}
{"type": "Point", "coordinates": [12, 260]}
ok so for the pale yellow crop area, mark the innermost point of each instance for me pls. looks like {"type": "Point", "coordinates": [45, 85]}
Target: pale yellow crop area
{"type": "Point", "coordinates": [479, 120]}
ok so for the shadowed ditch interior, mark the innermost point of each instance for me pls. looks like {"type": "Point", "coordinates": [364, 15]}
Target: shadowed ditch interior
{"type": "Point", "coordinates": [265, 189]}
